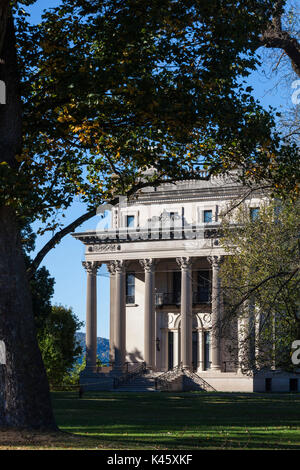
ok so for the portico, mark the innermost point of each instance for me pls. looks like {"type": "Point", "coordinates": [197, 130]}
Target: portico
{"type": "Point", "coordinates": [157, 317]}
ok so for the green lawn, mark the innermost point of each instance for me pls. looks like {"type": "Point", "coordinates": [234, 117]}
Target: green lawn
{"type": "Point", "coordinates": [180, 420]}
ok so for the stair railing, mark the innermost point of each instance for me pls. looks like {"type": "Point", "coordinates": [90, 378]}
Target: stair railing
{"type": "Point", "coordinates": [164, 379]}
{"type": "Point", "coordinates": [199, 380]}
{"type": "Point", "coordinates": [129, 375]}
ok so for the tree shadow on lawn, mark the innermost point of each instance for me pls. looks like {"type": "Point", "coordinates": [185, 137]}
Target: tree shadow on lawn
{"type": "Point", "coordinates": [183, 421]}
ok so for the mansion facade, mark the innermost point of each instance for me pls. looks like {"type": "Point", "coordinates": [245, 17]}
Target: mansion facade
{"type": "Point", "coordinates": [163, 254]}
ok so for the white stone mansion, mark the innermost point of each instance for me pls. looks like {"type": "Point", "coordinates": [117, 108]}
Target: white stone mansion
{"type": "Point", "coordinates": [163, 255]}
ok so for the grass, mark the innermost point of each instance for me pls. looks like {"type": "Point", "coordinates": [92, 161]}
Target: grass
{"type": "Point", "coordinates": [172, 421]}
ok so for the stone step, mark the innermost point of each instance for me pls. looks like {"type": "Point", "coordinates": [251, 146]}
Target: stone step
{"type": "Point", "coordinates": [139, 384]}
{"type": "Point", "coordinates": [136, 390]}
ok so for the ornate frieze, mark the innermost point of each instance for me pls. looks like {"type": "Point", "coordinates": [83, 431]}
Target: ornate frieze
{"type": "Point", "coordinates": [104, 248]}
{"type": "Point", "coordinates": [206, 320]}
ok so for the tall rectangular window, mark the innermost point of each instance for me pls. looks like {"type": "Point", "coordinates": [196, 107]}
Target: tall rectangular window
{"type": "Point", "coordinates": [207, 350]}
{"type": "Point", "coordinates": [293, 385]}
{"type": "Point", "coordinates": [176, 294]}
{"type": "Point", "coordinates": [130, 221]}
{"type": "Point", "coordinates": [254, 213]}
{"type": "Point", "coordinates": [207, 217]}
{"type": "Point", "coordinates": [203, 287]}
{"type": "Point", "coordinates": [130, 288]}
{"type": "Point", "coordinates": [268, 385]}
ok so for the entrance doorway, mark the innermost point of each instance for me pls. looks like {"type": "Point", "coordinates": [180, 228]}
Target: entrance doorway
{"type": "Point", "coordinates": [170, 350]}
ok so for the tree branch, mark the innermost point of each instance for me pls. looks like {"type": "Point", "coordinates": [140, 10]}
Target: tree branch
{"type": "Point", "coordinates": [260, 284]}
{"type": "Point", "coordinates": [56, 239]}
{"type": "Point", "coordinates": [275, 37]}
{"type": "Point", "coordinates": [88, 215]}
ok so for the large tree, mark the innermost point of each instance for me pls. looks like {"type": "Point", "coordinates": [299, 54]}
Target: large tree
{"type": "Point", "coordinates": [261, 280]}
{"type": "Point", "coordinates": [109, 89]}
{"type": "Point", "coordinates": [24, 397]}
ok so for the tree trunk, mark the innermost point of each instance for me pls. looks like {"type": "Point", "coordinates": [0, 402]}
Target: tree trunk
{"type": "Point", "coordinates": [24, 387]}
{"type": "Point", "coordinates": [24, 391]}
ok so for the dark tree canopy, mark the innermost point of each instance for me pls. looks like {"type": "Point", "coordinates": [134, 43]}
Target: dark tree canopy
{"type": "Point", "coordinates": [113, 88]}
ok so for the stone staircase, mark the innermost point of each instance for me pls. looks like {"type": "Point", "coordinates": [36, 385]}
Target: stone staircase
{"type": "Point", "coordinates": [185, 380]}
{"type": "Point", "coordinates": [140, 384]}
{"type": "Point", "coordinates": [140, 380]}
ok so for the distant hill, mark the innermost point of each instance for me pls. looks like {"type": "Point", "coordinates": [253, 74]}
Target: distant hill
{"type": "Point", "coordinates": [102, 347]}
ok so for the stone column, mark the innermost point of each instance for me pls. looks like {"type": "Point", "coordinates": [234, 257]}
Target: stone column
{"type": "Point", "coordinates": [200, 350]}
{"type": "Point", "coordinates": [118, 267]}
{"type": "Point", "coordinates": [112, 273]}
{"type": "Point", "coordinates": [149, 313]}
{"type": "Point", "coordinates": [243, 341]}
{"type": "Point", "coordinates": [257, 340]}
{"type": "Point", "coordinates": [186, 311]}
{"type": "Point", "coordinates": [91, 268]}
{"type": "Point", "coordinates": [215, 311]}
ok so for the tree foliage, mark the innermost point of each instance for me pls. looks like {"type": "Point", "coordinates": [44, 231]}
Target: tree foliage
{"type": "Point", "coordinates": [112, 88]}
{"type": "Point", "coordinates": [41, 283]}
{"type": "Point", "coordinates": [58, 343]}
{"type": "Point", "coordinates": [261, 279]}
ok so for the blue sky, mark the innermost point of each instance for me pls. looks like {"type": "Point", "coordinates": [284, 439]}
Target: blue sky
{"type": "Point", "coordinates": [64, 262]}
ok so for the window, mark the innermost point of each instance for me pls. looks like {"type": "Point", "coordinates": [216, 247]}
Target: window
{"type": "Point", "coordinates": [206, 350]}
{"type": "Point", "coordinates": [254, 213]}
{"type": "Point", "coordinates": [130, 288]}
{"type": "Point", "coordinates": [176, 294]}
{"type": "Point", "coordinates": [130, 221]}
{"type": "Point", "coordinates": [170, 350]}
{"type": "Point", "coordinates": [203, 287]}
{"type": "Point", "coordinates": [277, 211]}
{"type": "Point", "coordinates": [293, 385]}
{"type": "Point", "coordinates": [268, 385]}
{"type": "Point", "coordinates": [207, 217]}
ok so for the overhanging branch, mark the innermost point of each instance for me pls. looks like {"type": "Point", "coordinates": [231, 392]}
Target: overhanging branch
{"type": "Point", "coordinates": [88, 215]}
{"type": "Point", "coordinates": [275, 37]}
{"type": "Point", "coordinates": [56, 239]}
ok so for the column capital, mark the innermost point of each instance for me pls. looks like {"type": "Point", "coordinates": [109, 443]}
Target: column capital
{"type": "Point", "coordinates": [148, 264]}
{"type": "Point", "coordinates": [184, 262]}
{"type": "Point", "coordinates": [111, 267]}
{"type": "Point", "coordinates": [215, 261]}
{"type": "Point", "coordinates": [91, 267]}
{"type": "Point", "coordinates": [116, 266]}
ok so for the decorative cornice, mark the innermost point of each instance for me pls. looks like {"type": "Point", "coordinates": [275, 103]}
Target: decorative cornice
{"type": "Point", "coordinates": [91, 267]}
